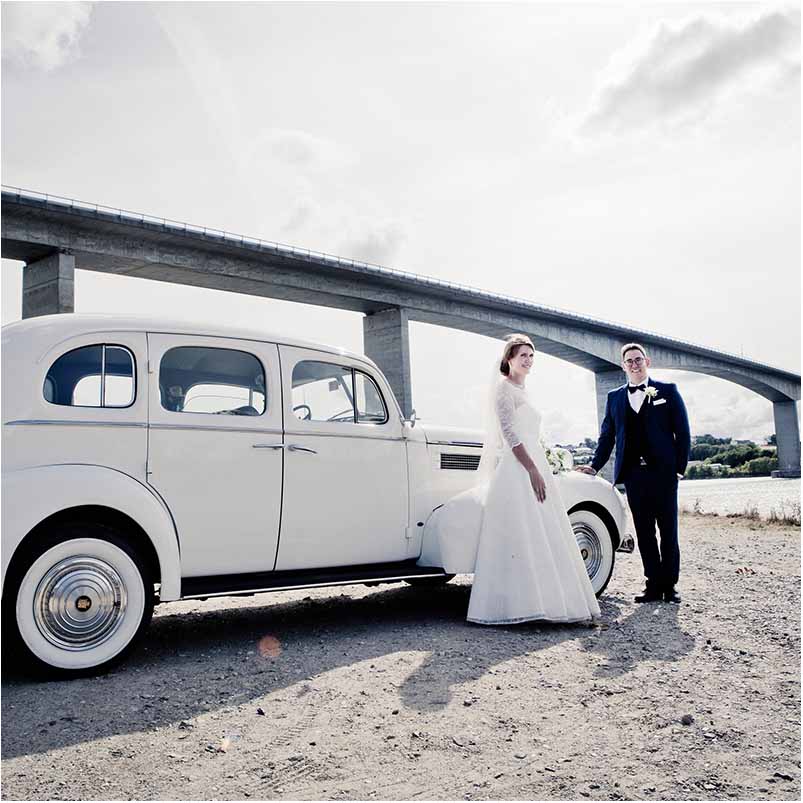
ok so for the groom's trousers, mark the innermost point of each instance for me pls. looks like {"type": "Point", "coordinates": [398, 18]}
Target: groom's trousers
{"type": "Point", "coordinates": [653, 499]}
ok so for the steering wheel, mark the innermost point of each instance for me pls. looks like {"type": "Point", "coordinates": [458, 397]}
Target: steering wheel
{"type": "Point", "coordinates": [343, 415]}
{"type": "Point", "coordinates": [307, 412]}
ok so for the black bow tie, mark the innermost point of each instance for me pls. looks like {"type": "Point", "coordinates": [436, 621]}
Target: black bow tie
{"type": "Point", "coordinates": [634, 388]}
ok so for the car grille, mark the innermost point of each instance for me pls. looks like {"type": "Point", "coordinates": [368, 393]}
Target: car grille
{"type": "Point", "coordinates": [460, 462]}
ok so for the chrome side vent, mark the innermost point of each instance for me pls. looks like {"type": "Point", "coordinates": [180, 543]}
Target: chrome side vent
{"type": "Point", "coordinates": [460, 462]}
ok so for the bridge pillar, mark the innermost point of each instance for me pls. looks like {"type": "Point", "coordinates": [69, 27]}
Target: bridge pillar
{"type": "Point", "coordinates": [48, 286]}
{"type": "Point", "coordinates": [787, 435]}
{"type": "Point", "coordinates": [386, 340]}
{"type": "Point", "coordinates": [605, 382]}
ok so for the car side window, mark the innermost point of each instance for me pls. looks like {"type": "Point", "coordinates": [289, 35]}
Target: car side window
{"type": "Point", "coordinates": [102, 375]}
{"type": "Point", "coordinates": [324, 391]}
{"type": "Point", "coordinates": [370, 404]}
{"type": "Point", "coordinates": [216, 381]}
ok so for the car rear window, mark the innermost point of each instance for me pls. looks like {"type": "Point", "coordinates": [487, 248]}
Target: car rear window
{"type": "Point", "coordinates": [100, 375]}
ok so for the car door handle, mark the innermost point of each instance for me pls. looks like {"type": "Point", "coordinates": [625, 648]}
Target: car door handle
{"type": "Point", "coordinates": [293, 448]}
{"type": "Point", "coordinates": [267, 446]}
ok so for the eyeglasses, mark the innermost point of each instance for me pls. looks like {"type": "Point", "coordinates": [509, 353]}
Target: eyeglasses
{"type": "Point", "coordinates": [635, 362]}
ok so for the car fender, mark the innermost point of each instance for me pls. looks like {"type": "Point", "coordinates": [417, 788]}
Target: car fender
{"type": "Point", "coordinates": [578, 489]}
{"type": "Point", "coordinates": [41, 491]}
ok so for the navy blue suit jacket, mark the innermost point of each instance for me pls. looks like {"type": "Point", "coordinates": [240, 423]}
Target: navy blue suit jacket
{"type": "Point", "coordinates": [667, 430]}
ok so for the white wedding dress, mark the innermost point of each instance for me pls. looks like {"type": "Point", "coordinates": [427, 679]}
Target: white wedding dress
{"type": "Point", "coordinates": [528, 565]}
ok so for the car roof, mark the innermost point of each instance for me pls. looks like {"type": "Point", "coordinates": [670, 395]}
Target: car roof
{"type": "Point", "coordinates": [52, 328]}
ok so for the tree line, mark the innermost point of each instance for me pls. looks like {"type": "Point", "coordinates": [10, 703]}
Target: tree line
{"type": "Point", "coordinates": [723, 458]}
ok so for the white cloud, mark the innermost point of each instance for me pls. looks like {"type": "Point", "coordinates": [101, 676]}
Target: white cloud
{"type": "Point", "coordinates": [301, 150]}
{"type": "Point", "coordinates": [559, 426]}
{"type": "Point", "coordinates": [680, 72]}
{"type": "Point", "coordinates": [320, 199]}
{"type": "Point", "coordinates": [43, 35]}
{"type": "Point", "coordinates": [374, 241]}
{"type": "Point", "coordinates": [721, 408]}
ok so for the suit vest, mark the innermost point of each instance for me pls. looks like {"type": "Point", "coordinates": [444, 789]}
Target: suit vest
{"type": "Point", "coordinates": [636, 442]}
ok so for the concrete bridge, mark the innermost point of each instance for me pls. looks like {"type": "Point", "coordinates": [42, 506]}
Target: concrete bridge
{"type": "Point", "coordinates": [56, 236]}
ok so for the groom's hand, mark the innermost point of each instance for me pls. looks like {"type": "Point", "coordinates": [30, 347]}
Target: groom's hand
{"type": "Point", "coordinates": [585, 470]}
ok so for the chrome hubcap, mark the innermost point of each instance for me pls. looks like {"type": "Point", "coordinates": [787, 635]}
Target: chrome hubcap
{"type": "Point", "coordinates": [590, 547]}
{"type": "Point", "coordinates": [79, 603]}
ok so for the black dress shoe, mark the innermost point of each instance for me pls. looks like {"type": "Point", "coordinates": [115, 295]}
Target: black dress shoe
{"type": "Point", "coordinates": [648, 595]}
{"type": "Point", "coordinates": [672, 596]}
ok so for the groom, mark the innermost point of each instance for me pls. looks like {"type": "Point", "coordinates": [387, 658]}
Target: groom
{"type": "Point", "coordinates": [647, 420]}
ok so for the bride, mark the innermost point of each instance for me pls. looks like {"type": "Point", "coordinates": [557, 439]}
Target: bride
{"type": "Point", "coordinates": [528, 565]}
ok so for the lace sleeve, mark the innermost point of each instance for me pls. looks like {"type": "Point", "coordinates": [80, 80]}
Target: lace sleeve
{"type": "Point", "coordinates": [505, 410]}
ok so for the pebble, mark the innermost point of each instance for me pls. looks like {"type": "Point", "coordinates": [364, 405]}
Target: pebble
{"type": "Point", "coordinates": [687, 719]}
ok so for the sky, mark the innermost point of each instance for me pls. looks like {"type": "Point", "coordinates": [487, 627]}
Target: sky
{"type": "Point", "coordinates": [636, 163]}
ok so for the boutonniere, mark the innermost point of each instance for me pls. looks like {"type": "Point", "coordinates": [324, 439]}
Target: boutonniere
{"type": "Point", "coordinates": [650, 392]}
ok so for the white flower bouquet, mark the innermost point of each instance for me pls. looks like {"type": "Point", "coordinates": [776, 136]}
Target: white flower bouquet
{"type": "Point", "coordinates": [559, 459]}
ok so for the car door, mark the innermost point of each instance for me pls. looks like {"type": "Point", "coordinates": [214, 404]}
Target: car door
{"type": "Point", "coordinates": [345, 488]}
{"type": "Point", "coordinates": [215, 451]}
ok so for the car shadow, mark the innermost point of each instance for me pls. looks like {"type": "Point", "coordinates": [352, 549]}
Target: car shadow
{"type": "Point", "coordinates": [193, 663]}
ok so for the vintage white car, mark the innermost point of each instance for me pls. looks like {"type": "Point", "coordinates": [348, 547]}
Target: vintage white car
{"type": "Point", "coordinates": [146, 461]}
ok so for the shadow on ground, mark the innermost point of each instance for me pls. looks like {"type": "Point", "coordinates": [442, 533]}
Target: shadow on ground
{"type": "Point", "coordinates": [193, 663]}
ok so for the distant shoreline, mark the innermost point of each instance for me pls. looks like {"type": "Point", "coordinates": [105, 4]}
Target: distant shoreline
{"type": "Point", "coordinates": [732, 477]}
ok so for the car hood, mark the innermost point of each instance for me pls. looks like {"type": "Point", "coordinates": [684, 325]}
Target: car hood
{"type": "Point", "coordinates": [456, 436]}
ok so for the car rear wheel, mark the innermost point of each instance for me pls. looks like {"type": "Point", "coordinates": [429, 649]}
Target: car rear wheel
{"type": "Point", "coordinates": [77, 601]}
{"type": "Point", "coordinates": [596, 547]}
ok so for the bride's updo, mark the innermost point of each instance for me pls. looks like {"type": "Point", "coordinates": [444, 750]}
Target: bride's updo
{"type": "Point", "coordinates": [512, 346]}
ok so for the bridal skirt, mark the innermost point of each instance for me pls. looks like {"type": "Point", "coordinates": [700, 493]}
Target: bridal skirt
{"type": "Point", "coordinates": [526, 562]}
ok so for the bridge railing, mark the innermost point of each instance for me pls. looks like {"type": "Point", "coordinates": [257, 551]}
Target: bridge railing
{"type": "Point", "coordinates": [221, 235]}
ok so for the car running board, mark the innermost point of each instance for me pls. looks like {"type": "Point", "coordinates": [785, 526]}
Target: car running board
{"type": "Point", "coordinates": [225, 585]}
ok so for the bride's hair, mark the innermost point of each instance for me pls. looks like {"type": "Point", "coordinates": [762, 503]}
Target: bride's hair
{"type": "Point", "coordinates": [512, 346]}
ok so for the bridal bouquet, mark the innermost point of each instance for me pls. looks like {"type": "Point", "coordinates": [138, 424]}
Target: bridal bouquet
{"type": "Point", "coordinates": [559, 459]}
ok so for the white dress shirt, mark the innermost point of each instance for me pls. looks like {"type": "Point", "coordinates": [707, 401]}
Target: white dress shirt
{"type": "Point", "coordinates": [637, 399]}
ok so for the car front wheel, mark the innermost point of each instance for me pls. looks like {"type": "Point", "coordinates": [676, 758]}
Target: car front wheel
{"type": "Point", "coordinates": [78, 600]}
{"type": "Point", "coordinates": [596, 547]}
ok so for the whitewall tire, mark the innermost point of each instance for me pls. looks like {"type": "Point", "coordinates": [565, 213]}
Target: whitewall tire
{"type": "Point", "coordinates": [81, 599]}
{"type": "Point", "coordinates": [596, 547]}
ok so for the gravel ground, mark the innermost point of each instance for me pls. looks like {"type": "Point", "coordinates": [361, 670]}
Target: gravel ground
{"type": "Point", "coordinates": [387, 693]}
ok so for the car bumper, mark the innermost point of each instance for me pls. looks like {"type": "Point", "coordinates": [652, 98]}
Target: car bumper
{"type": "Point", "coordinates": [628, 541]}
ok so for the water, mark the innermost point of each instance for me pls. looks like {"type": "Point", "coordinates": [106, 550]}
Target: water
{"type": "Point", "coordinates": [737, 495]}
